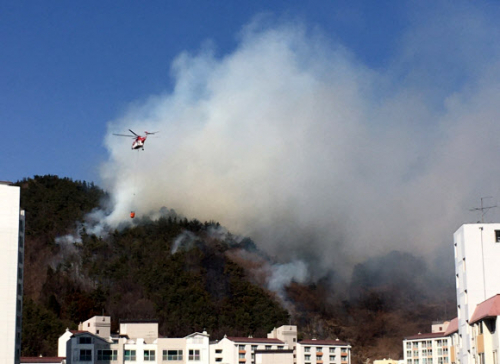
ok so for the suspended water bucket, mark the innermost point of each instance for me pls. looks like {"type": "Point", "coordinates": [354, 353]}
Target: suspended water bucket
{"type": "Point", "coordinates": [132, 214]}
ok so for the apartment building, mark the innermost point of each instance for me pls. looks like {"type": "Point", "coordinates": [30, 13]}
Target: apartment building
{"type": "Point", "coordinates": [11, 279]}
{"type": "Point", "coordinates": [249, 350]}
{"type": "Point", "coordinates": [429, 348]}
{"type": "Point", "coordinates": [477, 272]}
{"type": "Point", "coordinates": [137, 342]}
{"type": "Point", "coordinates": [323, 352]}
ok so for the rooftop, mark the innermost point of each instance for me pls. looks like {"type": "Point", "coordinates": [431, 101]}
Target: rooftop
{"type": "Point", "coordinates": [254, 340]}
{"type": "Point", "coordinates": [323, 342]}
{"type": "Point", "coordinates": [430, 335]}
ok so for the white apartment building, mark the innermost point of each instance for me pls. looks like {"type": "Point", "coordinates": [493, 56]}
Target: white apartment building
{"type": "Point", "coordinates": [11, 279]}
{"type": "Point", "coordinates": [477, 271]}
{"type": "Point", "coordinates": [247, 350]}
{"type": "Point", "coordinates": [323, 352]}
{"type": "Point", "coordinates": [430, 348]}
{"type": "Point", "coordinates": [137, 342]}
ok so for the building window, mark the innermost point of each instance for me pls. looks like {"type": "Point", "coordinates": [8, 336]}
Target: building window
{"type": "Point", "coordinates": [497, 236]}
{"type": "Point", "coordinates": [241, 347]}
{"type": "Point", "coordinates": [268, 347]}
{"type": "Point", "coordinates": [408, 345]}
{"type": "Point", "coordinates": [307, 349]}
{"type": "Point", "coordinates": [85, 340]}
{"type": "Point", "coordinates": [319, 349]}
{"type": "Point", "coordinates": [85, 355]}
{"type": "Point", "coordinates": [318, 357]}
{"type": "Point", "coordinates": [254, 347]}
{"type": "Point", "coordinates": [408, 353]}
{"type": "Point", "coordinates": [218, 359]}
{"type": "Point", "coordinates": [107, 355]}
{"type": "Point", "coordinates": [332, 357]}
{"type": "Point", "coordinates": [408, 361]}
{"type": "Point", "coordinates": [332, 350]}
{"type": "Point", "coordinates": [149, 355]}
{"type": "Point", "coordinates": [171, 355]}
{"type": "Point", "coordinates": [130, 355]}
{"type": "Point", "coordinates": [281, 347]}
{"type": "Point", "coordinates": [218, 351]}
{"type": "Point", "coordinates": [307, 357]}
{"type": "Point", "coordinates": [194, 355]}
{"type": "Point", "coordinates": [241, 356]}
{"type": "Point", "coordinates": [344, 350]}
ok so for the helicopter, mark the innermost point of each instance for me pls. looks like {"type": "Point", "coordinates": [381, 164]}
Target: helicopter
{"type": "Point", "coordinates": [139, 139]}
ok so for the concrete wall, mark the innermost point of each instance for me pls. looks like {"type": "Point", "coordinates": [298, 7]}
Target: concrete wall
{"type": "Point", "coordinates": [11, 282]}
{"type": "Point", "coordinates": [477, 254]}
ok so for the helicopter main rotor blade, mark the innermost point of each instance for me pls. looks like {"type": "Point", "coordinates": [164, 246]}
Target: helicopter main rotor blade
{"type": "Point", "coordinates": [124, 135]}
{"type": "Point", "coordinates": [133, 132]}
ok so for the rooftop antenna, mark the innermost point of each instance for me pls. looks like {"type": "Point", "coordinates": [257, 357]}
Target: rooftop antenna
{"type": "Point", "coordinates": [483, 209]}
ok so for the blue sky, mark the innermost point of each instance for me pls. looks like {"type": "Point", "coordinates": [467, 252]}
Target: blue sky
{"type": "Point", "coordinates": [69, 67]}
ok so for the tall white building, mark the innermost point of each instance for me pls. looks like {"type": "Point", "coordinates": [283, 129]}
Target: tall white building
{"type": "Point", "coordinates": [11, 279]}
{"type": "Point", "coordinates": [477, 271]}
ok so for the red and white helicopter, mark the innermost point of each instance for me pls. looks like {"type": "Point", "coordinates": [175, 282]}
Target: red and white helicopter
{"type": "Point", "coordinates": [139, 139]}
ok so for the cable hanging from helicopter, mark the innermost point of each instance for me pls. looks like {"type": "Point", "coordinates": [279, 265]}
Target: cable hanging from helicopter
{"type": "Point", "coordinates": [138, 144]}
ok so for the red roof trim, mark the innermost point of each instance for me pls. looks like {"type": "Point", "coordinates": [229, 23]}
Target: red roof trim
{"type": "Point", "coordinates": [488, 308]}
{"type": "Point", "coordinates": [42, 359]}
{"type": "Point", "coordinates": [323, 342]}
{"type": "Point", "coordinates": [452, 327]}
{"type": "Point", "coordinates": [430, 335]}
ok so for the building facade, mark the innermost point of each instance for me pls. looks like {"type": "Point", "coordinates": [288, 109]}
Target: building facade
{"type": "Point", "coordinates": [245, 350]}
{"type": "Point", "coordinates": [477, 272]}
{"type": "Point", "coordinates": [430, 348]}
{"type": "Point", "coordinates": [323, 352]}
{"type": "Point", "coordinates": [11, 280]}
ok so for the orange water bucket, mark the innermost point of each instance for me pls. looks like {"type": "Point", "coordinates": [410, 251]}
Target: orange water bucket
{"type": "Point", "coordinates": [132, 214]}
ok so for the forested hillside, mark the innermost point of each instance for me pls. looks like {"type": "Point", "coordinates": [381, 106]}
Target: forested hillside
{"type": "Point", "coordinates": [137, 273]}
{"type": "Point", "coordinates": [130, 274]}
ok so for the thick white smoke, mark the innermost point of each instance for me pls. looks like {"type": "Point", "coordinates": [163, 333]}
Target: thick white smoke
{"type": "Point", "coordinates": [292, 141]}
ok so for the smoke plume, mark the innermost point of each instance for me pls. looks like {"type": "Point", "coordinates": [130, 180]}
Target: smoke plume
{"type": "Point", "coordinates": [292, 140]}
